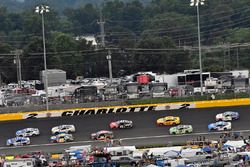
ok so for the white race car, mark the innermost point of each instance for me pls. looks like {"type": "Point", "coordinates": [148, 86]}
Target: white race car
{"type": "Point", "coordinates": [227, 116]}
{"type": "Point", "coordinates": [220, 126]}
{"type": "Point", "coordinates": [63, 129]}
{"type": "Point", "coordinates": [27, 132]}
{"type": "Point", "coordinates": [18, 141]}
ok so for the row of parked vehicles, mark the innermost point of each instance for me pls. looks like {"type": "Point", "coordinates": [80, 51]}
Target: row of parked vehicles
{"type": "Point", "coordinates": [63, 133]}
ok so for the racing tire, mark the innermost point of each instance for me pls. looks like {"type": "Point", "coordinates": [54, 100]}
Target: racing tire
{"type": "Point", "coordinates": [173, 133]}
{"type": "Point", "coordinates": [187, 131]}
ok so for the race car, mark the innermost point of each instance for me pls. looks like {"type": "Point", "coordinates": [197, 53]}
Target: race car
{"type": "Point", "coordinates": [63, 129]}
{"type": "Point", "coordinates": [227, 116]}
{"type": "Point", "coordinates": [169, 120]}
{"type": "Point", "coordinates": [181, 129]}
{"type": "Point", "coordinates": [27, 132]}
{"type": "Point", "coordinates": [62, 138]}
{"type": "Point", "coordinates": [102, 135]}
{"type": "Point", "coordinates": [220, 126]}
{"type": "Point", "coordinates": [18, 141]}
{"type": "Point", "coordinates": [121, 124]}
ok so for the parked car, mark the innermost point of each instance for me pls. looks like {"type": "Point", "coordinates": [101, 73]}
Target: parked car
{"type": "Point", "coordinates": [63, 129]}
{"type": "Point", "coordinates": [27, 132]}
{"type": "Point", "coordinates": [121, 124]}
{"type": "Point", "coordinates": [227, 116]}
{"type": "Point", "coordinates": [102, 135]}
{"type": "Point", "coordinates": [62, 138]}
{"type": "Point", "coordinates": [181, 129]}
{"type": "Point", "coordinates": [168, 120]}
{"type": "Point", "coordinates": [124, 160]}
{"type": "Point", "coordinates": [220, 126]}
{"type": "Point", "coordinates": [18, 141]}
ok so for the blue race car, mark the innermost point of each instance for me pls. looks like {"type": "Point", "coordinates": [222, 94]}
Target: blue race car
{"type": "Point", "coordinates": [220, 126]}
{"type": "Point", "coordinates": [227, 116]}
{"type": "Point", "coordinates": [18, 141]}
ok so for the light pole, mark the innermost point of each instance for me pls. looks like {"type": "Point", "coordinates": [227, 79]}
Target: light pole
{"type": "Point", "coordinates": [197, 3]}
{"type": "Point", "coordinates": [41, 10]}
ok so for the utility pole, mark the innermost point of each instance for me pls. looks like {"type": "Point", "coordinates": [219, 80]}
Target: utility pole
{"type": "Point", "coordinates": [237, 58]}
{"type": "Point", "coordinates": [109, 58]}
{"type": "Point", "coordinates": [17, 61]}
{"type": "Point", "coordinates": [229, 55]}
{"type": "Point", "coordinates": [101, 23]}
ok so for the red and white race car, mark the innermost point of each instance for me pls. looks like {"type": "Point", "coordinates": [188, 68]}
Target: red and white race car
{"type": "Point", "coordinates": [121, 124]}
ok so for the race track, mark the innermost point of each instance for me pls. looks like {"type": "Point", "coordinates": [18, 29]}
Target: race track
{"type": "Point", "coordinates": [145, 131]}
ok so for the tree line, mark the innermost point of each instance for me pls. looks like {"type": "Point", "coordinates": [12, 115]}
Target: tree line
{"type": "Point", "coordinates": [159, 36]}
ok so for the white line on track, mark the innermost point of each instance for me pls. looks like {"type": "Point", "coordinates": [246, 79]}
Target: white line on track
{"type": "Point", "coordinates": [129, 138]}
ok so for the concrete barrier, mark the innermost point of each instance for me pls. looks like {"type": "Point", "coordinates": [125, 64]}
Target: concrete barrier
{"type": "Point", "coordinates": [123, 109]}
{"type": "Point", "coordinates": [11, 116]}
{"type": "Point", "coordinates": [222, 103]}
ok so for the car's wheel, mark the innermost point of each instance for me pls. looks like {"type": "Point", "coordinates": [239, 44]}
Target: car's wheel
{"type": "Point", "coordinates": [173, 133]}
{"type": "Point", "coordinates": [69, 131]}
{"type": "Point", "coordinates": [160, 124]}
{"type": "Point", "coordinates": [133, 164]}
{"type": "Point", "coordinates": [174, 123]}
{"type": "Point", "coordinates": [56, 133]}
{"type": "Point", "coordinates": [187, 131]}
{"type": "Point", "coordinates": [33, 134]}
{"type": "Point", "coordinates": [225, 129]}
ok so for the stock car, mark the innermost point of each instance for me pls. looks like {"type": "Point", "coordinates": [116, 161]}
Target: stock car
{"type": "Point", "coordinates": [27, 132]}
{"type": "Point", "coordinates": [121, 124]}
{"type": "Point", "coordinates": [227, 116]}
{"type": "Point", "coordinates": [102, 135]}
{"type": "Point", "coordinates": [18, 141]}
{"type": "Point", "coordinates": [220, 126]}
{"type": "Point", "coordinates": [62, 138]}
{"type": "Point", "coordinates": [168, 120]}
{"type": "Point", "coordinates": [63, 129]}
{"type": "Point", "coordinates": [181, 129]}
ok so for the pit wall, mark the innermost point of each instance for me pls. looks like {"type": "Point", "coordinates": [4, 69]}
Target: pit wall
{"type": "Point", "coordinates": [123, 109]}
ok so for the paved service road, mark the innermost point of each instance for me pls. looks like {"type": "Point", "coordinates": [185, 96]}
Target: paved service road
{"type": "Point", "coordinates": [145, 130]}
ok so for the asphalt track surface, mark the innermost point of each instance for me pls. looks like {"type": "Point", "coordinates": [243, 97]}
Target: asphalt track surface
{"type": "Point", "coordinates": [145, 130]}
